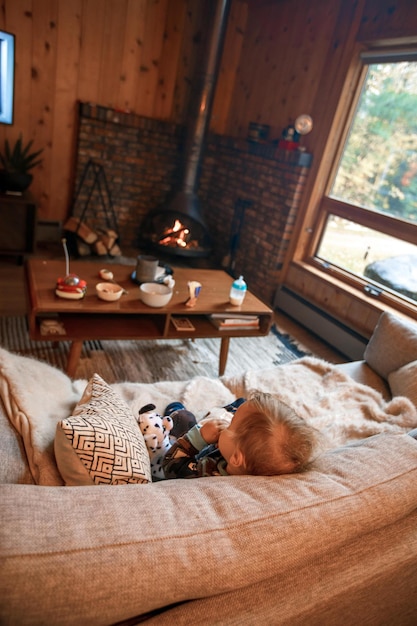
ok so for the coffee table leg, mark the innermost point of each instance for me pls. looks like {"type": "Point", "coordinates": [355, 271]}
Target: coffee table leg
{"type": "Point", "coordinates": [74, 357]}
{"type": "Point", "coordinates": [224, 349]}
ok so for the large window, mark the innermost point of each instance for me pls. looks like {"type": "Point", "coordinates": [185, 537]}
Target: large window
{"type": "Point", "coordinates": [369, 214]}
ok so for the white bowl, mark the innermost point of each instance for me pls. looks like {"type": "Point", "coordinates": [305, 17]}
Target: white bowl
{"type": "Point", "coordinates": [106, 275]}
{"type": "Point", "coordinates": [155, 294]}
{"type": "Point", "coordinates": [109, 291]}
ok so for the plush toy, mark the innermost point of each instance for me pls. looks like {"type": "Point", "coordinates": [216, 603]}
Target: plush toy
{"type": "Point", "coordinates": [160, 432]}
{"type": "Point", "coordinates": [155, 429]}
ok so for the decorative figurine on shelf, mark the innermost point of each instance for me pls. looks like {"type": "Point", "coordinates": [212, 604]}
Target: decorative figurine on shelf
{"type": "Point", "coordinates": [290, 138]}
{"type": "Point", "coordinates": [72, 287]}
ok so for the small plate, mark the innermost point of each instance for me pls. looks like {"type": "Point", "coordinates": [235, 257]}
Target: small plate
{"type": "Point", "coordinates": [162, 272]}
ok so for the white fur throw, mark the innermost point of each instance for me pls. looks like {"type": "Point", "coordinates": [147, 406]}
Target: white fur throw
{"type": "Point", "coordinates": [37, 396]}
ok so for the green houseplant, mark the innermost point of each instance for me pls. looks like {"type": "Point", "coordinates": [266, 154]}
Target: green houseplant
{"type": "Point", "coordinates": [17, 163]}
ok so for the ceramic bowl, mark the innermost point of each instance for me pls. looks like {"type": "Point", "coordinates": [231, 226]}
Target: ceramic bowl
{"type": "Point", "coordinates": [155, 294]}
{"type": "Point", "coordinates": [109, 291]}
{"type": "Point", "coordinates": [106, 275]}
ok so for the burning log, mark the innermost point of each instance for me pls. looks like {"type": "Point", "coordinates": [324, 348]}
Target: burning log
{"type": "Point", "coordinates": [175, 236]}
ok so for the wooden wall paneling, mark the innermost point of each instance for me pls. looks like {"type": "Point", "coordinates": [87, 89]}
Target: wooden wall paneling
{"type": "Point", "coordinates": [190, 57]}
{"type": "Point", "coordinates": [16, 18]}
{"type": "Point", "coordinates": [65, 114]}
{"type": "Point", "coordinates": [335, 64]}
{"type": "Point", "coordinates": [92, 35]}
{"type": "Point", "coordinates": [360, 314]}
{"type": "Point", "coordinates": [245, 101]}
{"type": "Point", "coordinates": [265, 69]}
{"type": "Point", "coordinates": [267, 77]}
{"type": "Point", "coordinates": [229, 66]}
{"type": "Point", "coordinates": [112, 52]}
{"type": "Point", "coordinates": [279, 74]}
{"type": "Point", "coordinates": [291, 38]}
{"type": "Point", "coordinates": [132, 54]}
{"type": "Point", "coordinates": [267, 64]}
{"type": "Point", "coordinates": [388, 20]}
{"type": "Point", "coordinates": [44, 61]}
{"type": "Point", "coordinates": [313, 31]}
{"type": "Point", "coordinates": [336, 302]}
{"type": "Point", "coordinates": [152, 47]}
{"type": "Point", "coordinates": [169, 59]}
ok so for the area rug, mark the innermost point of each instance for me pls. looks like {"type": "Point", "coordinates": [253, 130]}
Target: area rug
{"type": "Point", "coordinates": [152, 361]}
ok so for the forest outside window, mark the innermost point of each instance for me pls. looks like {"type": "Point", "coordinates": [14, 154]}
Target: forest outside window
{"type": "Point", "coordinates": [368, 219]}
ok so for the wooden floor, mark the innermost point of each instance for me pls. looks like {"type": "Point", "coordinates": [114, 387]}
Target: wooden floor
{"type": "Point", "coordinates": [13, 301]}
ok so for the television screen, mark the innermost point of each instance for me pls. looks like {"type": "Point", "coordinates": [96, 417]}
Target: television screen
{"type": "Point", "coordinates": [6, 77]}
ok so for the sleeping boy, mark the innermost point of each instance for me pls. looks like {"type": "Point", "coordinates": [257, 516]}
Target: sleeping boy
{"type": "Point", "coordinates": [265, 437]}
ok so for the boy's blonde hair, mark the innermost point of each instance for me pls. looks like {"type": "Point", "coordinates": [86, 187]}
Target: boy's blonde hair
{"type": "Point", "coordinates": [274, 439]}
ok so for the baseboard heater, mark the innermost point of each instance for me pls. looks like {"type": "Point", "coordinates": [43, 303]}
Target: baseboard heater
{"type": "Point", "coordinates": [347, 341]}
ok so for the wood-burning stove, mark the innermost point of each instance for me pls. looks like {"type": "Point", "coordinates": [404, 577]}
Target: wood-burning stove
{"type": "Point", "coordinates": [178, 227]}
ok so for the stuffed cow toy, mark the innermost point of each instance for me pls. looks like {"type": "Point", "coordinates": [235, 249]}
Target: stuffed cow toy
{"type": "Point", "coordinates": [155, 429]}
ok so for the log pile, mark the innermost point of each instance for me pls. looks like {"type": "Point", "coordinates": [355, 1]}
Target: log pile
{"type": "Point", "coordinates": [101, 242]}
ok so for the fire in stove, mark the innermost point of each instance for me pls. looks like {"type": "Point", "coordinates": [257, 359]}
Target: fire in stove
{"type": "Point", "coordinates": [177, 235]}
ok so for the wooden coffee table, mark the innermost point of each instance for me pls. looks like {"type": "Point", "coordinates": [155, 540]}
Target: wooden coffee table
{"type": "Point", "coordinates": [128, 318]}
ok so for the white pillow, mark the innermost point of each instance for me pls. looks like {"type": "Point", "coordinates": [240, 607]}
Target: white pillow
{"type": "Point", "coordinates": [403, 382]}
{"type": "Point", "coordinates": [101, 443]}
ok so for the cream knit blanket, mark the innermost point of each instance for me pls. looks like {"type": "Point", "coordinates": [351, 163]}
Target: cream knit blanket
{"type": "Point", "coordinates": [36, 396]}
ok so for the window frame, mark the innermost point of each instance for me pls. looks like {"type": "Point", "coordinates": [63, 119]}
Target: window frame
{"type": "Point", "coordinates": [387, 224]}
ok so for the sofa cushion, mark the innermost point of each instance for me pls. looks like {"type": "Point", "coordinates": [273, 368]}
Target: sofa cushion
{"type": "Point", "coordinates": [403, 382]}
{"type": "Point", "coordinates": [122, 552]}
{"type": "Point", "coordinates": [362, 373]}
{"type": "Point", "coordinates": [392, 345]}
{"type": "Point", "coordinates": [101, 443]}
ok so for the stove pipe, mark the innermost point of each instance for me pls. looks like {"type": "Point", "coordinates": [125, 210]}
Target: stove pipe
{"type": "Point", "coordinates": [197, 133]}
{"type": "Point", "coordinates": [185, 201]}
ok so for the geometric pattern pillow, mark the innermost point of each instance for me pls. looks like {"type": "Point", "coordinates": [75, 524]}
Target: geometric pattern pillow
{"type": "Point", "coordinates": [101, 443]}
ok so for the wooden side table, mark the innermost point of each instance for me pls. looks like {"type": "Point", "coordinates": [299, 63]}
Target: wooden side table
{"type": "Point", "coordinates": [17, 224]}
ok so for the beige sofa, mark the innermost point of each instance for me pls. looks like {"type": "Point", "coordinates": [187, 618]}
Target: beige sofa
{"type": "Point", "coordinates": [335, 545]}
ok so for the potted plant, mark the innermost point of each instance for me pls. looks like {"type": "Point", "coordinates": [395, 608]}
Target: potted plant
{"type": "Point", "coordinates": [17, 162]}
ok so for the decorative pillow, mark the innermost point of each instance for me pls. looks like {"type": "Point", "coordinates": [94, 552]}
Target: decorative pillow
{"type": "Point", "coordinates": [392, 345]}
{"type": "Point", "coordinates": [101, 443]}
{"type": "Point", "coordinates": [403, 382]}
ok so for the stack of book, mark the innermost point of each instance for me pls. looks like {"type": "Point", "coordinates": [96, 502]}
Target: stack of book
{"type": "Point", "coordinates": [234, 321]}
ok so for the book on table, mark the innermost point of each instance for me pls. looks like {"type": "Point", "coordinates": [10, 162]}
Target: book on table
{"type": "Point", "coordinates": [234, 321]}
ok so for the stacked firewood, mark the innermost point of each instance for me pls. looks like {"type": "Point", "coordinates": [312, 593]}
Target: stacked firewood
{"type": "Point", "coordinates": [101, 242]}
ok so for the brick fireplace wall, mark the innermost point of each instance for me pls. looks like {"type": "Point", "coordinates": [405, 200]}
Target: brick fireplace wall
{"type": "Point", "coordinates": [141, 159]}
{"type": "Point", "coordinates": [269, 182]}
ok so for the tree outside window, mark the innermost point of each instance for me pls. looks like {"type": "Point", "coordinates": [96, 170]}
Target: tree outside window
{"type": "Point", "coordinates": [371, 209]}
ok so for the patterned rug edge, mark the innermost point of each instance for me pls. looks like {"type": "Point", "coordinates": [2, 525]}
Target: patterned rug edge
{"type": "Point", "coordinates": [151, 361]}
